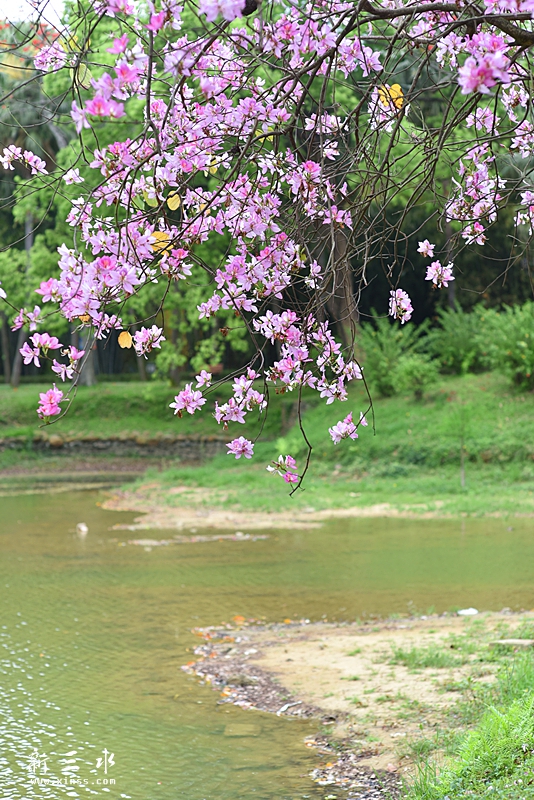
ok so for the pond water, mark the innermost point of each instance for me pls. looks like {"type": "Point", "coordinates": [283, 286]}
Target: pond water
{"type": "Point", "coordinates": [93, 634]}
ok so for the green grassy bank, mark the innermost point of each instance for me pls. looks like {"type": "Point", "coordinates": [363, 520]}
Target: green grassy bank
{"type": "Point", "coordinates": [484, 746]}
{"type": "Point", "coordinates": [410, 459]}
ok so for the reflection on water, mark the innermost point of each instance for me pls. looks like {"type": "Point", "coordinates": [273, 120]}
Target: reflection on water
{"type": "Point", "coordinates": [92, 636]}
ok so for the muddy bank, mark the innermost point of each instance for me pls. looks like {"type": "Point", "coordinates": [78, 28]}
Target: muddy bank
{"type": "Point", "coordinates": [376, 688]}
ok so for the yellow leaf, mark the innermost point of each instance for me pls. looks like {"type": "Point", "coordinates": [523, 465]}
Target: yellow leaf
{"type": "Point", "coordinates": [212, 169]}
{"type": "Point", "coordinates": [150, 201]}
{"type": "Point", "coordinates": [161, 241]}
{"type": "Point", "coordinates": [84, 76]}
{"type": "Point", "coordinates": [173, 201]}
{"type": "Point", "coordinates": [391, 94]}
{"type": "Point", "coordinates": [70, 43]}
{"type": "Point", "coordinates": [125, 340]}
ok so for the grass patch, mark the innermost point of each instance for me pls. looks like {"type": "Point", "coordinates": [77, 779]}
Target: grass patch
{"type": "Point", "coordinates": [249, 487]}
{"type": "Point", "coordinates": [496, 758]}
{"type": "Point", "coordinates": [425, 658]}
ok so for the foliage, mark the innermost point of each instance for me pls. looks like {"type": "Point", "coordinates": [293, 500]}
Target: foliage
{"type": "Point", "coordinates": [458, 343]}
{"type": "Point", "coordinates": [495, 423]}
{"type": "Point", "coordinates": [416, 373]}
{"type": "Point", "coordinates": [509, 336]}
{"type": "Point", "coordinates": [384, 345]}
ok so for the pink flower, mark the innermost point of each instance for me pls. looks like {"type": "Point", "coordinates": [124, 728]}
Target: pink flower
{"type": "Point", "coordinates": [229, 9]}
{"type": "Point", "coordinates": [285, 467]}
{"type": "Point", "coordinates": [204, 379]}
{"type": "Point", "coordinates": [72, 176]}
{"type": "Point", "coordinates": [344, 429]}
{"type": "Point", "coordinates": [439, 275]}
{"type": "Point", "coordinates": [147, 339]}
{"type": "Point", "coordinates": [49, 403]}
{"type": "Point", "coordinates": [78, 117]}
{"type": "Point", "coordinates": [157, 21]}
{"type": "Point", "coordinates": [119, 45]}
{"type": "Point", "coordinates": [46, 341]}
{"type": "Point", "coordinates": [426, 249]}
{"type": "Point", "coordinates": [481, 75]}
{"type": "Point", "coordinates": [63, 370]}
{"type": "Point", "coordinates": [74, 354]}
{"type": "Point", "coordinates": [241, 447]}
{"type": "Point", "coordinates": [49, 290]}
{"type": "Point", "coordinates": [98, 106]}
{"type": "Point", "coordinates": [188, 400]}
{"type": "Point", "coordinates": [36, 164]}
{"type": "Point", "coordinates": [30, 354]}
{"type": "Point", "coordinates": [400, 306]}
{"type": "Point", "coordinates": [51, 58]}
{"type": "Point", "coordinates": [291, 477]}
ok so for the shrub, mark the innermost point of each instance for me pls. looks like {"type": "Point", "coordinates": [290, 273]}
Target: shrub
{"type": "Point", "coordinates": [457, 343]}
{"type": "Point", "coordinates": [509, 335]}
{"type": "Point", "coordinates": [415, 372]}
{"type": "Point", "coordinates": [384, 344]}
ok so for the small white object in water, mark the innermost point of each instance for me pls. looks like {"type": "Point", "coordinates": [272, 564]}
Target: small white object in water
{"type": "Point", "coordinates": [82, 529]}
{"type": "Point", "coordinates": [467, 612]}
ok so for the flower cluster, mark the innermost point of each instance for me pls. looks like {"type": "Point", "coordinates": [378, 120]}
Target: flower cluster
{"type": "Point", "coordinates": [49, 403]}
{"type": "Point", "coordinates": [189, 400]}
{"type": "Point", "coordinates": [12, 153]}
{"type": "Point", "coordinates": [346, 428]}
{"type": "Point", "coordinates": [249, 158]}
{"type": "Point", "coordinates": [400, 305]}
{"type": "Point", "coordinates": [241, 447]}
{"type": "Point", "coordinates": [439, 275]}
{"type": "Point", "coordinates": [147, 339]}
{"type": "Point", "coordinates": [286, 467]}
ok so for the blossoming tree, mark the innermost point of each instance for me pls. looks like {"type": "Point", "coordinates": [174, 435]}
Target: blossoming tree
{"type": "Point", "coordinates": [296, 138]}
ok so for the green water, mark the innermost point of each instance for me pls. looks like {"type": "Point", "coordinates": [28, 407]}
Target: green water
{"type": "Point", "coordinates": [93, 634]}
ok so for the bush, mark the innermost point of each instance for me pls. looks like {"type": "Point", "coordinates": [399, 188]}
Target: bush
{"type": "Point", "coordinates": [415, 372]}
{"type": "Point", "coordinates": [384, 344]}
{"type": "Point", "coordinates": [509, 336]}
{"type": "Point", "coordinates": [457, 343]}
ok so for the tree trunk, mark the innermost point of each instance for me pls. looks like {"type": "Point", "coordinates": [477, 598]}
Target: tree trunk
{"type": "Point", "coordinates": [451, 291]}
{"type": "Point", "coordinates": [23, 333]}
{"type": "Point", "coordinates": [87, 374]}
{"type": "Point", "coordinates": [17, 361]}
{"type": "Point", "coordinates": [141, 367]}
{"type": "Point", "coordinates": [6, 360]}
{"type": "Point", "coordinates": [341, 303]}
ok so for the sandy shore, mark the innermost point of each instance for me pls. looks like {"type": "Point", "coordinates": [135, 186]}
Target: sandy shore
{"type": "Point", "coordinates": [371, 709]}
{"type": "Point", "coordinates": [186, 508]}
